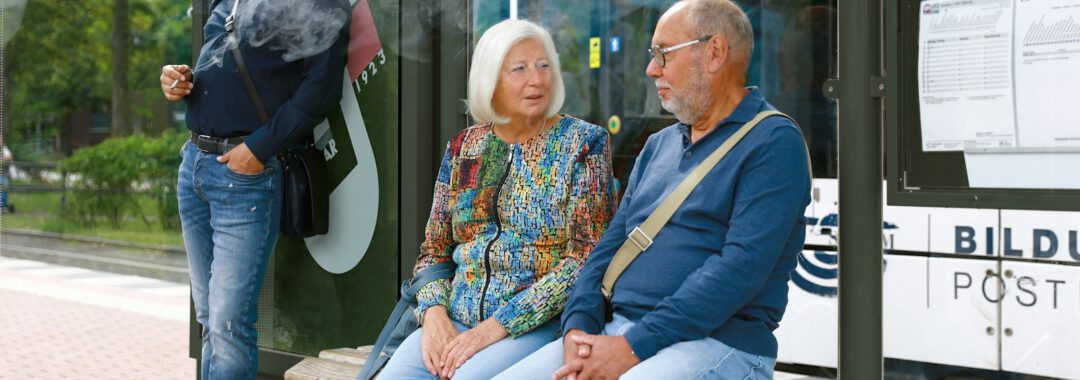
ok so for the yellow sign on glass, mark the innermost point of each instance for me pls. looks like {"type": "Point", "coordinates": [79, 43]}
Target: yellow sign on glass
{"type": "Point", "coordinates": [614, 124]}
{"type": "Point", "coordinates": [594, 53]}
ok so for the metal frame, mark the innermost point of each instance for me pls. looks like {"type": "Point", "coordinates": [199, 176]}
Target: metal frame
{"type": "Point", "coordinates": [899, 139]}
{"type": "Point", "coordinates": [199, 14]}
{"type": "Point", "coordinates": [860, 172]}
{"type": "Point", "coordinates": [433, 92]}
{"type": "Point", "coordinates": [274, 363]}
{"type": "Point", "coordinates": [432, 109]}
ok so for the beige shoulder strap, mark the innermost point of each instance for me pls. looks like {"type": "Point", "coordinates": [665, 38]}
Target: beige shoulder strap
{"type": "Point", "coordinates": [641, 237]}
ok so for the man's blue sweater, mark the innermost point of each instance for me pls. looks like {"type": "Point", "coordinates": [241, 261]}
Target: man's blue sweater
{"type": "Point", "coordinates": [721, 265]}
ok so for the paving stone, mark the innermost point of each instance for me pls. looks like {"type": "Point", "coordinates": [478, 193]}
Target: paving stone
{"type": "Point", "coordinates": [47, 337]}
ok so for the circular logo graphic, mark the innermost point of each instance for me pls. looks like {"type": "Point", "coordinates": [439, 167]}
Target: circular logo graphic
{"type": "Point", "coordinates": [354, 203]}
{"type": "Point", "coordinates": [817, 272]}
{"type": "Point", "coordinates": [614, 125]}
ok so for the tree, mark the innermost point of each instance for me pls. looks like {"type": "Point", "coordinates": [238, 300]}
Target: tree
{"type": "Point", "coordinates": [12, 16]}
{"type": "Point", "coordinates": [61, 62]}
{"type": "Point", "coordinates": [54, 67]}
{"type": "Point", "coordinates": [121, 40]}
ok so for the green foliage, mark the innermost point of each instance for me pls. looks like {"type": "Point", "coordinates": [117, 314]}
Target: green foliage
{"type": "Point", "coordinates": [59, 60]}
{"type": "Point", "coordinates": [42, 212]}
{"type": "Point", "coordinates": [108, 178]}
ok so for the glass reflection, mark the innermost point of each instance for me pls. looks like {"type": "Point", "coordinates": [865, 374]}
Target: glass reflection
{"type": "Point", "coordinates": [794, 53]}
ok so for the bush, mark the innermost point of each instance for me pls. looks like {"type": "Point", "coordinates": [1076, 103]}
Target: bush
{"type": "Point", "coordinates": [111, 179]}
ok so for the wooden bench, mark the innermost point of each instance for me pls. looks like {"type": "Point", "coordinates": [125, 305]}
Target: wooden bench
{"type": "Point", "coordinates": [332, 364]}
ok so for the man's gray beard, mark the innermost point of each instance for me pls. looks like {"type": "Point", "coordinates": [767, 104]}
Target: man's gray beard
{"type": "Point", "coordinates": [690, 104]}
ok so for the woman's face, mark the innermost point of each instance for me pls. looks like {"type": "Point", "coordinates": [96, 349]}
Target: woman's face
{"type": "Point", "coordinates": [524, 87]}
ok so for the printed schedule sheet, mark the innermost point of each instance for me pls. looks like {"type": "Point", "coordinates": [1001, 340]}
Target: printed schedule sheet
{"type": "Point", "coordinates": [998, 73]}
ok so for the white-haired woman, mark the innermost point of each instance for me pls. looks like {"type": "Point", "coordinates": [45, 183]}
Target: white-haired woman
{"type": "Point", "coordinates": [520, 200]}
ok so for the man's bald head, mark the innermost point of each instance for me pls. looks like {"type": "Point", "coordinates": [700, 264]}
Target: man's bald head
{"type": "Point", "coordinates": [699, 83]}
{"type": "Point", "coordinates": [721, 18]}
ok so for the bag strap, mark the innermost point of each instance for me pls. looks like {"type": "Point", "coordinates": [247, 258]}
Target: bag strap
{"type": "Point", "coordinates": [641, 237]}
{"type": "Point", "coordinates": [431, 273]}
{"type": "Point", "coordinates": [230, 26]}
{"type": "Point", "coordinates": [409, 289]}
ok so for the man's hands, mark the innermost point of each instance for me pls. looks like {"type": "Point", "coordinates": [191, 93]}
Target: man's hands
{"type": "Point", "coordinates": [176, 84]}
{"type": "Point", "coordinates": [438, 332]}
{"type": "Point", "coordinates": [573, 351]}
{"type": "Point", "coordinates": [176, 81]}
{"type": "Point", "coordinates": [595, 357]}
{"type": "Point", "coordinates": [469, 343]}
{"type": "Point", "coordinates": [241, 160]}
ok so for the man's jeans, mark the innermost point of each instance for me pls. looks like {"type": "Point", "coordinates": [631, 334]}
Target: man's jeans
{"type": "Point", "coordinates": [230, 224]}
{"type": "Point", "coordinates": [699, 359]}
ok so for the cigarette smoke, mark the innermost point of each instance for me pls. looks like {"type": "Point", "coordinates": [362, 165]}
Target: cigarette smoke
{"type": "Point", "coordinates": [297, 28]}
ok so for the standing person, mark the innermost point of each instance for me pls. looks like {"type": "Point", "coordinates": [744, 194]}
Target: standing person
{"type": "Point", "coordinates": [229, 184]}
{"type": "Point", "coordinates": [701, 301]}
{"type": "Point", "coordinates": [520, 200]}
{"type": "Point", "coordinates": [6, 168]}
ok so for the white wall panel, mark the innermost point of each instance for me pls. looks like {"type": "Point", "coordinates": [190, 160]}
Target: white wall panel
{"type": "Point", "coordinates": [937, 311]}
{"type": "Point", "coordinates": [808, 332]}
{"type": "Point", "coordinates": [1040, 319]}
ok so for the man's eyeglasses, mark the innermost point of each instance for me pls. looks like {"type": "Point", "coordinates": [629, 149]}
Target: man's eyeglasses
{"type": "Point", "coordinates": [659, 54]}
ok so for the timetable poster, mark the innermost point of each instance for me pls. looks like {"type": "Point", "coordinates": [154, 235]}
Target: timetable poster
{"type": "Point", "coordinates": [998, 73]}
{"type": "Point", "coordinates": [965, 74]}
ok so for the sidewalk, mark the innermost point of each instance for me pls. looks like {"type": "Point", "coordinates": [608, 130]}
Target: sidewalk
{"type": "Point", "coordinates": [72, 323]}
{"type": "Point", "coordinates": [60, 322]}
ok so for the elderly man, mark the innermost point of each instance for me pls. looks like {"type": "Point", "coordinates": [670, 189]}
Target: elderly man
{"type": "Point", "coordinates": [702, 299]}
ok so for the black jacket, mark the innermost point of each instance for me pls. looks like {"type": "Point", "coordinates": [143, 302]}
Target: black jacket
{"type": "Point", "coordinates": [297, 95]}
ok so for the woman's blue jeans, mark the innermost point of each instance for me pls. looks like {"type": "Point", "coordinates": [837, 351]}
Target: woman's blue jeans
{"type": "Point", "coordinates": [408, 362]}
{"type": "Point", "coordinates": [230, 223]}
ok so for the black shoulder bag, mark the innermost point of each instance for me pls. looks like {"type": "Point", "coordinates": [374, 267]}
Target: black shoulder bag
{"type": "Point", "coordinates": [305, 206]}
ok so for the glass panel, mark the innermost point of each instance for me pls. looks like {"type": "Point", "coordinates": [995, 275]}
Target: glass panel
{"type": "Point", "coordinates": [795, 52]}
{"type": "Point", "coordinates": [971, 104]}
{"type": "Point", "coordinates": [79, 88]}
{"type": "Point", "coordinates": [319, 296]}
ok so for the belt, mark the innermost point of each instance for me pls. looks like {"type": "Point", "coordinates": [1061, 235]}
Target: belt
{"type": "Point", "coordinates": [216, 145]}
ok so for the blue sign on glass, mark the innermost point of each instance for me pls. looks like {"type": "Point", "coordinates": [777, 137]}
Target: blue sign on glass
{"type": "Point", "coordinates": [615, 44]}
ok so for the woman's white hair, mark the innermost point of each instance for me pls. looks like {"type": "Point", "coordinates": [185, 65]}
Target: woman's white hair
{"type": "Point", "coordinates": [487, 61]}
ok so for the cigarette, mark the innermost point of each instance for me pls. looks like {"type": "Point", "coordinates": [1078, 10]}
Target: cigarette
{"type": "Point", "coordinates": [174, 83]}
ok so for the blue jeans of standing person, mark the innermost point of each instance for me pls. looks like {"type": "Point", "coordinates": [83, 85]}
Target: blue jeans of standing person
{"type": "Point", "coordinates": [4, 183]}
{"type": "Point", "coordinates": [408, 361]}
{"type": "Point", "coordinates": [230, 222]}
{"type": "Point", "coordinates": [699, 359]}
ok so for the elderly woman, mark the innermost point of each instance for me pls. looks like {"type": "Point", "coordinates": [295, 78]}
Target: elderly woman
{"type": "Point", "coordinates": [520, 200]}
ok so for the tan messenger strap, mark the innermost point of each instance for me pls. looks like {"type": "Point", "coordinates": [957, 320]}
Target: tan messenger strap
{"type": "Point", "coordinates": [641, 237]}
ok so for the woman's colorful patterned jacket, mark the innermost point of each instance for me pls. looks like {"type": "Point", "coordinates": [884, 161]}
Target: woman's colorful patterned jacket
{"type": "Point", "coordinates": [518, 220]}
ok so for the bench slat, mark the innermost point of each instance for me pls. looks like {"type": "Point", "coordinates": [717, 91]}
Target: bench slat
{"type": "Point", "coordinates": [346, 355]}
{"type": "Point", "coordinates": [322, 369]}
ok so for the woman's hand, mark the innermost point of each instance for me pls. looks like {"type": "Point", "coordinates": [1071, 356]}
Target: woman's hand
{"type": "Point", "coordinates": [469, 343]}
{"type": "Point", "coordinates": [438, 331]}
{"type": "Point", "coordinates": [176, 81]}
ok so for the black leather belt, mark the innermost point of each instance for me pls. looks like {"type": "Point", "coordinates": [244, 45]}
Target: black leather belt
{"type": "Point", "coordinates": [216, 145]}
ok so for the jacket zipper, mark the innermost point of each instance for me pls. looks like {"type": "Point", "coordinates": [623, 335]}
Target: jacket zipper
{"type": "Point", "coordinates": [498, 232]}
